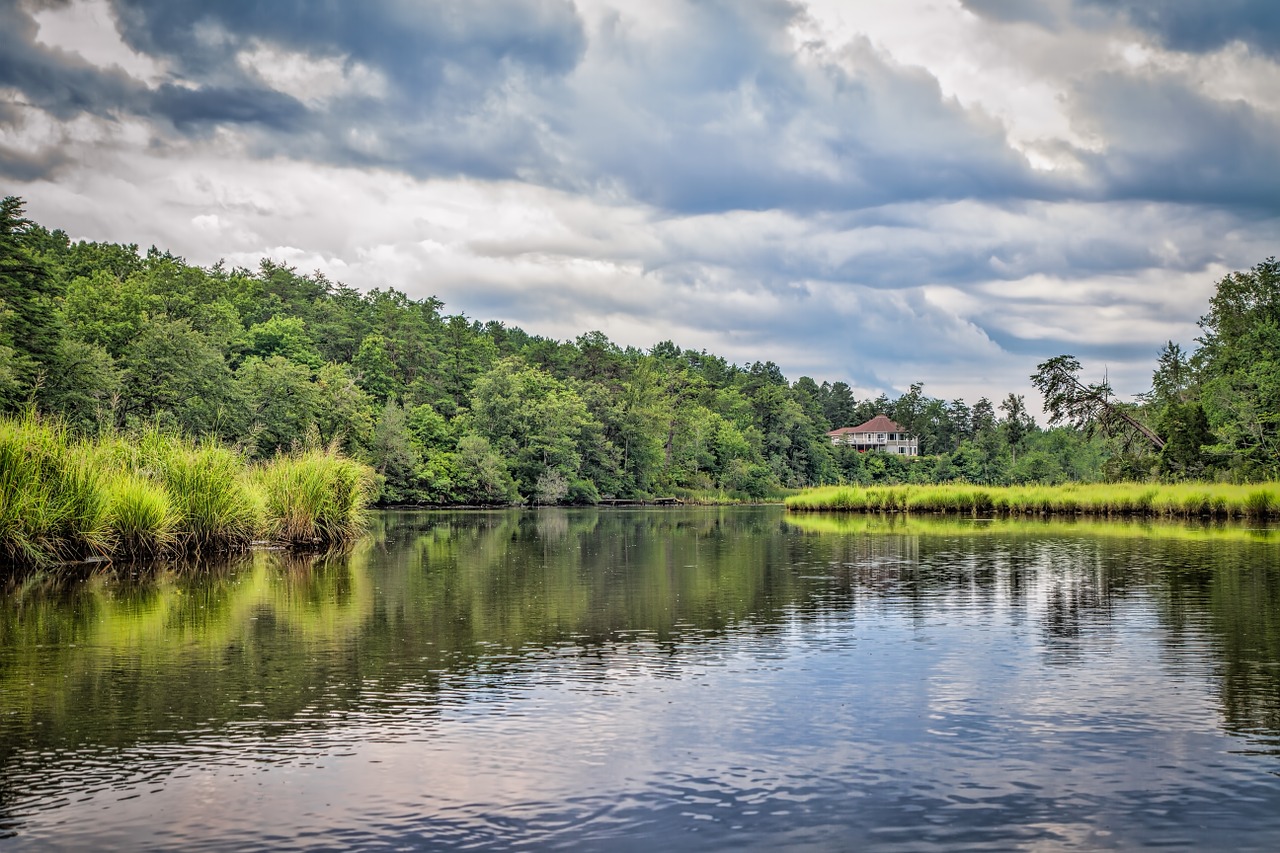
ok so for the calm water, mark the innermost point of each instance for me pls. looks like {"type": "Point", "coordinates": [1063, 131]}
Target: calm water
{"type": "Point", "coordinates": [658, 680]}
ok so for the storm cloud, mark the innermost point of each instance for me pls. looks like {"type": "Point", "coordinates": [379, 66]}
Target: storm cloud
{"type": "Point", "coordinates": [879, 193]}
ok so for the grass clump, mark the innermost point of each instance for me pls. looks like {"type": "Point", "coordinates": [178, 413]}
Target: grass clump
{"type": "Point", "coordinates": [1178, 500]}
{"type": "Point", "coordinates": [214, 500]}
{"type": "Point", "coordinates": [315, 497]}
{"type": "Point", "coordinates": [66, 499]}
{"type": "Point", "coordinates": [141, 516]}
{"type": "Point", "coordinates": [51, 501]}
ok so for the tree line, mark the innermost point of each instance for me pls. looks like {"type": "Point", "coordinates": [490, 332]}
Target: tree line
{"type": "Point", "coordinates": [449, 409]}
{"type": "Point", "coordinates": [1212, 413]}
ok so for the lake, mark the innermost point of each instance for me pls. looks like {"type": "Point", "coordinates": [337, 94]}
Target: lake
{"type": "Point", "coordinates": [719, 678]}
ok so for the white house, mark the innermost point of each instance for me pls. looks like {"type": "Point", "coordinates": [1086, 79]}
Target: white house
{"type": "Point", "coordinates": [878, 434]}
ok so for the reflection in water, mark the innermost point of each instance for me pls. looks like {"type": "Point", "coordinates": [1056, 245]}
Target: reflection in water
{"type": "Point", "coordinates": [675, 678]}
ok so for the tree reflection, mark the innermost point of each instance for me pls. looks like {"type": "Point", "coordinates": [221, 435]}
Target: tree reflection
{"type": "Point", "coordinates": [281, 641]}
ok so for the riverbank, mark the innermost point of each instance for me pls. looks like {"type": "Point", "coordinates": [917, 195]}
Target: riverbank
{"type": "Point", "coordinates": [1177, 500]}
{"type": "Point", "coordinates": [65, 499]}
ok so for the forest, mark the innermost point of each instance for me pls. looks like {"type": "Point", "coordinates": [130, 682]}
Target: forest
{"type": "Point", "coordinates": [453, 410]}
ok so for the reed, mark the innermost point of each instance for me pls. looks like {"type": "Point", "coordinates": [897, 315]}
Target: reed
{"type": "Point", "coordinates": [1175, 500]}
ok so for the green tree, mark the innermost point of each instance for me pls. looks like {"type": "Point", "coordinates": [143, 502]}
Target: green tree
{"type": "Point", "coordinates": [395, 456]}
{"type": "Point", "coordinates": [29, 324]}
{"type": "Point", "coordinates": [281, 401]}
{"type": "Point", "coordinates": [344, 412]}
{"type": "Point", "coordinates": [107, 311]}
{"type": "Point", "coordinates": [375, 371]}
{"type": "Point", "coordinates": [533, 420]}
{"type": "Point", "coordinates": [1016, 424]}
{"type": "Point", "coordinates": [482, 475]}
{"type": "Point", "coordinates": [465, 353]}
{"type": "Point", "coordinates": [1187, 427]}
{"type": "Point", "coordinates": [175, 377]}
{"type": "Point", "coordinates": [1239, 366]}
{"type": "Point", "coordinates": [82, 386]}
{"type": "Point", "coordinates": [283, 336]}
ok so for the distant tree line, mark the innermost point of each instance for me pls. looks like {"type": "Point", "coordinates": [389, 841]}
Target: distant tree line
{"type": "Point", "coordinates": [454, 410]}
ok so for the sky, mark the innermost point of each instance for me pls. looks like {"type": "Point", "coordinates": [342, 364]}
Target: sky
{"type": "Point", "coordinates": [881, 193]}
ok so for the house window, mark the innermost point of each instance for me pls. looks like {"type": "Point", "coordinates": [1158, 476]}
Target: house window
{"type": "Point", "coordinates": [882, 436]}
{"type": "Point", "coordinates": [902, 450]}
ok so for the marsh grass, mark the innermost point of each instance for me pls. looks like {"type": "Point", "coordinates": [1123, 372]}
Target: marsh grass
{"type": "Point", "coordinates": [51, 500]}
{"type": "Point", "coordinates": [214, 499]}
{"type": "Point", "coordinates": [1176, 500]}
{"type": "Point", "coordinates": [65, 499]}
{"type": "Point", "coordinates": [314, 497]}
{"type": "Point", "coordinates": [141, 515]}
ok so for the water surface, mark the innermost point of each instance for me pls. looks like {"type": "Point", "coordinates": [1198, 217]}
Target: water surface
{"type": "Point", "coordinates": [662, 679]}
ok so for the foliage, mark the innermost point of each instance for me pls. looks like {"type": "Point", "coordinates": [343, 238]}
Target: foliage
{"type": "Point", "coordinates": [1087, 407]}
{"type": "Point", "coordinates": [1238, 370]}
{"type": "Point", "coordinates": [452, 410]}
{"type": "Point", "coordinates": [52, 501]}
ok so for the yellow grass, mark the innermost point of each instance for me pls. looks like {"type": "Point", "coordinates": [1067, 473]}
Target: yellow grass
{"type": "Point", "coordinates": [1175, 500]}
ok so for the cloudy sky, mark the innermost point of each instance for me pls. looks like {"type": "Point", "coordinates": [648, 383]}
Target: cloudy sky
{"type": "Point", "coordinates": [946, 191]}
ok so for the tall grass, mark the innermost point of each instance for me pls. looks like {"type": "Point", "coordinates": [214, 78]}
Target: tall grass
{"type": "Point", "coordinates": [64, 499]}
{"type": "Point", "coordinates": [212, 496]}
{"type": "Point", "coordinates": [141, 515]}
{"type": "Point", "coordinates": [952, 525]}
{"type": "Point", "coordinates": [51, 498]}
{"type": "Point", "coordinates": [315, 496]}
{"type": "Point", "coordinates": [1177, 500]}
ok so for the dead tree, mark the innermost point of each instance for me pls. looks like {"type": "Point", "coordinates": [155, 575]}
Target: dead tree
{"type": "Point", "coordinates": [1087, 407]}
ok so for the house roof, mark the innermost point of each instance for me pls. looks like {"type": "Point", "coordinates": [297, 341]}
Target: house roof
{"type": "Point", "coordinates": [880, 423]}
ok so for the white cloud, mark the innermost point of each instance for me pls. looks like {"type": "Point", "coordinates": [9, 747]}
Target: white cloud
{"type": "Point", "coordinates": [311, 79]}
{"type": "Point", "coordinates": [88, 28]}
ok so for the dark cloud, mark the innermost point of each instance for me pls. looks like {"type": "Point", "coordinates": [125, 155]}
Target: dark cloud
{"type": "Point", "coordinates": [720, 113]}
{"type": "Point", "coordinates": [30, 166]}
{"type": "Point", "coordinates": [1166, 142]}
{"type": "Point", "coordinates": [203, 107]}
{"type": "Point", "coordinates": [1097, 355]}
{"type": "Point", "coordinates": [413, 42]}
{"type": "Point", "coordinates": [751, 124]}
{"type": "Point", "coordinates": [1201, 25]}
{"type": "Point", "coordinates": [60, 83]}
{"type": "Point", "coordinates": [1197, 26]}
{"type": "Point", "coordinates": [456, 72]}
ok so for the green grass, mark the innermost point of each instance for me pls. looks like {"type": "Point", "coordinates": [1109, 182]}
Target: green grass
{"type": "Point", "coordinates": [64, 499]}
{"type": "Point", "coordinates": [141, 515]}
{"type": "Point", "coordinates": [1177, 500]}
{"type": "Point", "coordinates": [214, 498]}
{"type": "Point", "coordinates": [315, 496]}
{"type": "Point", "coordinates": [51, 499]}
